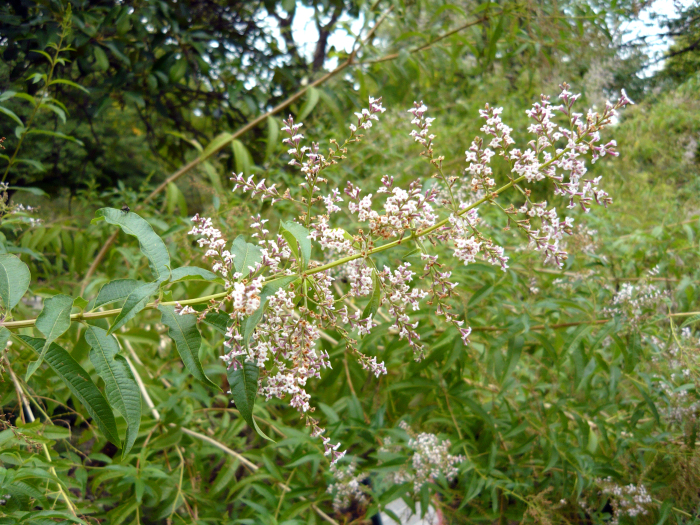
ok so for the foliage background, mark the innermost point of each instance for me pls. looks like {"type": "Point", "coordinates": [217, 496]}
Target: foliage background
{"type": "Point", "coordinates": [544, 403]}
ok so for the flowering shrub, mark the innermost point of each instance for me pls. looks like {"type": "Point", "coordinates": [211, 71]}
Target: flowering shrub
{"type": "Point", "coordinates": [360, 272]}
{"type": "Point", "coordinates": [280, 352]}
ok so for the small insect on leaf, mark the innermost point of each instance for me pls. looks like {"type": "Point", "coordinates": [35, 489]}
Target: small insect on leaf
{"type": "Point", "coordinates": [126, 208]}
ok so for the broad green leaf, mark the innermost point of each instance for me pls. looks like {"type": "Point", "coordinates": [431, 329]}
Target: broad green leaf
{"type": "Point", "coordinates": [244, 161]}
{"type": "Point", "coordinates": [375, 299]}
{"type": "Point", "coordinates": [217, 320]}
{"type": "Point", "coordinates": [183, 330]}
{"type": "Point", "coordinates": [193, 273]}
{"type": "Point", "coordinates": [115, 291]}
{"type": "Point", "coordinates": [268, 290]}
{"type": "Point", "coordinates": [273, 132]}
{"type": "Point", "coordinates": [294, 232]}
{"type": "Point", "coordinates": [14, 280]}
{"type": "Point", "coordinates": [312, 97]}
{"type": "Point", "coordinates": [5, 335]}
{"type": "Point", "coordinates": [121, 387]}
{"type": "Point", "coordinates": [79, 383]}
{"type": "Point", "coordinates": [244, 388]}
{"type": "Point", "coordinates": [152, 246]}
{"type": "Point", "coordinates": [52, 322]}
{"type": "Point", "coordinates": [246, 255]}
{"type": "Point", "coordinates": [135, 302]}
{"type": "Point", "coordinates": [216, 144]}
{"type": "Point", "coordinates": [101, 59]}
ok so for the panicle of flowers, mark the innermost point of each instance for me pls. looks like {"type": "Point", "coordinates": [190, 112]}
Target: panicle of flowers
{"type": "Point", "coordinates": [430, 460]}
{"type": "Point", "coordinates": [626, 500]}
{"type": "Point", "coordinates": [681, 360]}
{"type": "Point", "coordinates": [636, 302]}
{"type": "Point", "coordinates": [347, 487]}
{"type": "Point", "coordinates": [257, 188]}
{"type": "Point", "coordinates": [212, 239]}
{"type": "Point", "coordinates": [399, 295]}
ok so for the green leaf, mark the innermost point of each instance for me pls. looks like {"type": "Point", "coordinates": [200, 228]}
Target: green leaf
{"type": "Point", "coordinates": [193, 273]}
{"type": "Point", "coordinates": [244, 388]}
{"type": "Point", "coordinates": [135, 302]}
{"type": "Point", "coordinates": [216, 144]}
{"type": "Point", "coordinates": [34, 191]}
{"type": "Point", "coordinates": [174, 198]}
{"type": "Point", "coordinates": [267, 290]}
{"type": "Point", "coordinates": [115, 291]}
{"type": "Point", "coordinates": [55, 134]}
{"type": "Point", "coordinates": [373, 304]}
{"type": "Point", "coordinates": [218, 321]}
{"type": "Point", "coordinates": [152, 246]}
{"type": "Point", "coordinates": [101, 59]}
{"type": "Point", "coordinates": [273, 133]}
{"type": "Point", "coordinates": [68, 83]}
{"type": "Point", "coordinates": [52, 322]}
{"type": "Point", "coordinates": [61, 114]}
{"type": "Point", "coordinates": [12, 115]}
{"type": "Point", "coordinates": [14, 280]}
{"type": "Point", "coordinates": [294, 232]}
{"type": "Point", "coordinates": [245, 255]}
{"type": "Point", "coordinates": [4, 337]}
{"type": "Point", "coordinates": [31, 162]}
{"type": "Point", "coordinates": [691, 320]}
{"type": "Point", "coordinates": [5, 95]}
{"type": "Point", "coordinates": [312, 96]}
{"type": "Point", "coordinates": [121, 387]}
{"type": "Point", "coordinates": [183, 330]}
{"type": "Point", "coordinates": [79, 383]}
{"type": "Point", "coordinates": [244, 162]}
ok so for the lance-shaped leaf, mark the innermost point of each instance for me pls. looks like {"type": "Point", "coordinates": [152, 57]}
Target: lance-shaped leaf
{"type": "Point", "coordinates": [373, 304]}
{"type": "Point", "coordinates": [244, 388]}
{"type": "Point", "coordinates": [183, 330]}
{"type": "Point", "coordinates": [115, 291]}
{"type": "Point", "coordinates": [269, 289]}
{"type": "Point", "coordinates": [246, 255]}
{"type": "Point", "coordinates": [193, 273]}
{"type": "Point", "coordinates": [4, 337]}
{"type": "Point", "coordinates": [294, 232]}
{"type": "Point", "coordinates": [120, 385]}
{"type": "Point", "coordinates": [152, 246]}
{"type": "Point", "coordinates": [14, 280]}
{"type": "Point", "coordinates": [135, 302]}
{"type": "Point", "coordinates": [79, 383]}
{"type": "Point", "coordinates": [52, 322]}
{"type": "Point", "coordinates": [218, 321]}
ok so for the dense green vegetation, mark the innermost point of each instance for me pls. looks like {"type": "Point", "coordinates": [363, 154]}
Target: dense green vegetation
{"type": "Point", "coordinates": [573, 400]}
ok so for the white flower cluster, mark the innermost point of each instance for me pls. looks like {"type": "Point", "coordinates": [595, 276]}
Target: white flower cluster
{"type": "Point", "coordinates": [636, 301]}
{"type": "Point", "coordinates": [431, 459]}
{"type": "Point", "coordinates": [627, 500]}
{"type": "Point", "coordinates": [347, 487]}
